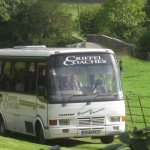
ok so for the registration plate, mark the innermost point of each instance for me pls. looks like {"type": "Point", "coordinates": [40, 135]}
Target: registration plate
{"type": "Point", "coordinates": [91, 132]}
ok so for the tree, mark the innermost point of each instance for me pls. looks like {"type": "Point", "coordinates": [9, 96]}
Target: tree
{"type": "Point", "coordinates": [148, 8]}
{"type": "Point", "coordinates": [4, 16]}
{"type": "Point", "coordinates": [38, 22]}
{"type": "Point", "coordinates": [122, 18]}
{"type": "Point", "coordinates": [7, 9]}
{"type": "Point", "coordinates": [88, 20]}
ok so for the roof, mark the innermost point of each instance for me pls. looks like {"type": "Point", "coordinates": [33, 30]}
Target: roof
{"type": "Point", "coordinates": [35, 51]}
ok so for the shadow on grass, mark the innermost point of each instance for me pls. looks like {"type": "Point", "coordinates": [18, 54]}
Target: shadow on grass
{"type": "Point", "coordinates": [65, 142]}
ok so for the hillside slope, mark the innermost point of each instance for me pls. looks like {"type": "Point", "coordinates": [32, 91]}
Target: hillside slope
{"type": "Point", "coordinates": [136, 76]}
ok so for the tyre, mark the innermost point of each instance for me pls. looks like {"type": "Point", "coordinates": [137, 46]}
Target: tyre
{"type": "Point", "coordinates": [2, 127]}
{"type": "Point", "coordinates": [107, 139]}
{"type": "Point", "coordinates": [40, 135]}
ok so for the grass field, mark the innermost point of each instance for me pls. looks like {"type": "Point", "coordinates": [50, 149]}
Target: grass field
{"type": "Point", "coordinates": [136, 77]}
{"type": "Point", "coordinates": [136, 84]}
{"type": "Point", "coordinates": [75, 8]}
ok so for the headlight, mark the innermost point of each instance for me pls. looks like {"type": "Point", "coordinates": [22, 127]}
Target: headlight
{"type": "Point", "coordinates": [114, 119]}
{"type": "Point", "coordinates": [64, 122]}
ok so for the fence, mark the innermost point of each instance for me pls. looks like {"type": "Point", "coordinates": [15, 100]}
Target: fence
{"type": "Point", "coordinates": [137, 111]}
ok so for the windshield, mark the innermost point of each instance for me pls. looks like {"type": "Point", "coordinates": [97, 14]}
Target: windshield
{"type": "Point", "coordinates": [81, 77]}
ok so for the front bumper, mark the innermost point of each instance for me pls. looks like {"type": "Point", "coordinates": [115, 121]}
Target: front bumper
{"type": "Point", "coordinates": [69, 132]}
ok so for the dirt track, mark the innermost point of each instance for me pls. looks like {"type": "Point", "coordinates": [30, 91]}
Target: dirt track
{"type": "Point", "coordinates": [93, 45]}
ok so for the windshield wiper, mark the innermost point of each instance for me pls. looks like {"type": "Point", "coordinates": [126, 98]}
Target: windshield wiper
{"type": "Point", "coordinates": [100, 94]}
{"type": "Point", "coordinates": [66, 101]}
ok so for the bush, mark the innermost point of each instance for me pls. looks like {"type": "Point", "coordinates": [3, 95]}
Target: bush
{"type": "Point", "coordinates": [88, 19]}
{"type": "Point", "coordinates": [144, 43]}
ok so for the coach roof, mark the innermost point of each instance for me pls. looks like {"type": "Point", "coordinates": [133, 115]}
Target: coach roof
{"type": "Point", "coordinates": [37, 51]}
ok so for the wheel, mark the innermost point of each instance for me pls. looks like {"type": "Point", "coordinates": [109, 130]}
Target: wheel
{"type": "Point", "coordinates": [107, 139]}
{"type": "Point", "coordinates": [40, 135]}
{"type": "Point", "coordinates": [2, 127]}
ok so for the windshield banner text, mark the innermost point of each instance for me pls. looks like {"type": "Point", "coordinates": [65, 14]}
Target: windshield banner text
{"type": "Point", "coordinates": [83, 60]}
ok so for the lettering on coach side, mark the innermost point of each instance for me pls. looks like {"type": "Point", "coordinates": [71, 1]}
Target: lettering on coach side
{"type": "Point", "coordinates": [11, 102]}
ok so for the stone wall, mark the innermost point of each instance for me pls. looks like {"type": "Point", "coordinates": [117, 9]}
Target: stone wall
{"type": "Point", "coordinates": [115, 44]}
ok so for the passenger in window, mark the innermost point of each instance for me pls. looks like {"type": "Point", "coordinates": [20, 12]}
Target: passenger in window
{"type": "Point", "coordinates": [99, 86]}
{"type": "Point", "coordinates": [74, 83]}
{"type": "Point", "coordinates": [53, 72]}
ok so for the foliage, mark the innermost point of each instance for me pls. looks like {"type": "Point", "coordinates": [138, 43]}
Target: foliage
{"type": "Point", "coordinates": [7, 9]}
{"type": "Point", "coordinates": [136, 140]}
{"type": "Point", "coordinates": [87, 20]}
{"type": "Point", "coordinates": [122, 18]}
{"type": "Point", "coordinates": [37, 22]}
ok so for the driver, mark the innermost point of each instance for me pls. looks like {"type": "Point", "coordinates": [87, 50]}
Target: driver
{"type": "Point", "coordinates": [74, 83]}
{"type": "Point", "coordinates": [99, 86]}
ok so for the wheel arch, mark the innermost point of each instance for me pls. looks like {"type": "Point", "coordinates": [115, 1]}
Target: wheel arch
{"type": "Point", "coordinates": [38, 123]}
{"type": "Point", "coordinates": [2, 117]}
